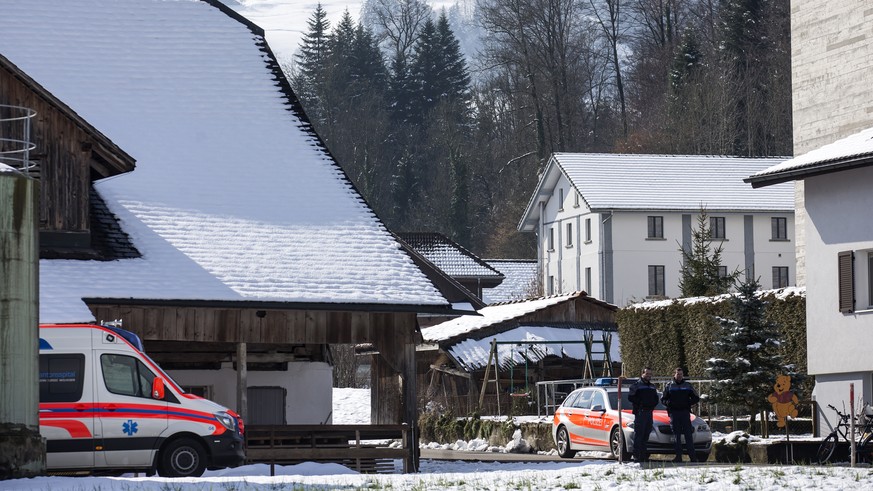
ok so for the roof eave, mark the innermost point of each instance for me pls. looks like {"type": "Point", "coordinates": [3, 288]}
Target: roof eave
{"type": "Point", "coordinates": [280, 305]}
{"type": "Point", "coordinates": [531, 216]}
{"type": "Point", "coordinates": [816, 169]}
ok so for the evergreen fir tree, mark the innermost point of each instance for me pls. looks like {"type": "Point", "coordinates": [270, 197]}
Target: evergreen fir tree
{"type": "Point", "coordinates": [401, 89]}
{"type": "Point", "coordinates": [454, 77]}
{"type": "Point", "coordinates": [747, 358]}
{"type": "Point", "coordinates": [686, 62]}
{"type": "Point", "coordinates": [700, 275]}
{"type": "Point", "coordinates": [459, 213]}
{"type": "Point", "coordinates": [313, 48]}
{"type": "Point", "coordinates": [368, 67]}
{"type": "Point", "coordinates": [311, 60]}
{"type": "Point", "coordinates": [426, 72]}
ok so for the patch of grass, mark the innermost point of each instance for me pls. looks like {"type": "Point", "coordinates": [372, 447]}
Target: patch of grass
{"type": "Point", "coordinates": [572, 485]}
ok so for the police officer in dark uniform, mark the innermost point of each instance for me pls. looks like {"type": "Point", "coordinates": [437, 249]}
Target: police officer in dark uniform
{"type": "Point", "coordinates": [679, 396]}
{"type": "Point", "coordinates": [644, 396]}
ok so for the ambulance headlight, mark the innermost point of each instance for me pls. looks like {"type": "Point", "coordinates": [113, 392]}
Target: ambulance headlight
{"type": "Point", "coordinates": [225, 419]}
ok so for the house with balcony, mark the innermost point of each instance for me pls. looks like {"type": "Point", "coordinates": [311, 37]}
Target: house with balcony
{"type": "Point", "coordinates": [613, 225]}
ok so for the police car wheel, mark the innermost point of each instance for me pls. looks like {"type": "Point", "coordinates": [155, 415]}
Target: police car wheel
{"type": "Point", "coordinates": [183, 458]}
{"type": "Point", "coordinates": [615, 446]}
{"type": "Point", "coordinates": [563, 444]}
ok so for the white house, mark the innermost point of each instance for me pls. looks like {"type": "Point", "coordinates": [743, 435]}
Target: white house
{"type": "Point", "coordinates": [613, 224]}
{"type": "Point", "coordinates": [839, 263]}
{"type": "Point", "coordinates": [832, 99]}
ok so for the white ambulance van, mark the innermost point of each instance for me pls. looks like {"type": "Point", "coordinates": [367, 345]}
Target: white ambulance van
{"type": "Point", "coordinates": [104, 406]}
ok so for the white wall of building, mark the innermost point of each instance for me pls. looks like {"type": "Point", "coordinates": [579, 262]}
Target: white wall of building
{"type": "Point", "coordinates": [633, 251]}
{"type": "Point", "coordinates": [309, 385]}
{"type": "Point", "coordinates": [838, 219]}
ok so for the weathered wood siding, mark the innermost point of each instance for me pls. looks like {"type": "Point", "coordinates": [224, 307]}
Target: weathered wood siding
{"type": "Point", "coordinates": [233, 325]}
{"type": "Point", "coordinates": [61, 155]}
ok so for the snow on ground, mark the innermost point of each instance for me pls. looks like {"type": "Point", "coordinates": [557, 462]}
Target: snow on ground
{"type": "Point", "coordinates": [352, 406]}
{"type": "Point", "coordinates": [454, 475]}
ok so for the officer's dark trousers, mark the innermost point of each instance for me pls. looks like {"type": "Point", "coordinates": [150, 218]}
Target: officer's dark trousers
{"type": "Point", "coordinates": [680, 420]}
{"type": "Point", "coordinates": [642, 428]}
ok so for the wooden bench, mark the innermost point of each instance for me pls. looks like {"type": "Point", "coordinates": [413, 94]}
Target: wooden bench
{"type": "Point", "coordinates": [358, 447]}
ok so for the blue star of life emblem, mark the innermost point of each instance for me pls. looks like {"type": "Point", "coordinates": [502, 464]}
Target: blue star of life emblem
{"type": "Point", "coordinates": [130, 427]}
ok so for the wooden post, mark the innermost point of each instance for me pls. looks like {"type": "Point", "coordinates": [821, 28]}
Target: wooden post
{"type": "Point", "coordinates": [487, 374]}
{"type": "Point", "coordinates": [242, 387]}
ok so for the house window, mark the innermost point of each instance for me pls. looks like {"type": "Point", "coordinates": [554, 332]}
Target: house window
{"type": "Point", "coordinates": [656, 228]}
{"type": "Point", "coordinates": [588, 280]}
{"type": "Point", "coordinates": [716, 227]}
{"type": "Point", "coordinates": [656, 281]}
{"type": "Point", "coordinates": [587, 230]}
{"type": "Point", "coordinates": [846, 281]}
{"type": "Point", "coordinates": [551, 285]}
{"type": "Point", "coordinates": [569, 235]}
{"type": "Point", "coordinates": [722, 271]}
{"type": "Point", "coordinates": [780, 276]}
{"type": "Point", "coordinates": [576, 200]}
{"type": "Point", "coordinates": [561, 199]}
{"type": "Point", "coordinates": [779, 226]}
{"type": "Point", "coordinates": [552, 239]}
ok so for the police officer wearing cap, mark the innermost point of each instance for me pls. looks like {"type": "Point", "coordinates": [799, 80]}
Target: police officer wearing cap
{"type": "Point", "coordinates": [644, 396]}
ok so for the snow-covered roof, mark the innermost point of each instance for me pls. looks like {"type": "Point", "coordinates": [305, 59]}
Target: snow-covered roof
{"type": "Point", "coordinates": [520, 276]}
{"type": "Point", "coordinates": [853, 151]}
{"type": "Point", "coordinates": [661, 182]}
{"type": "Point", "coordinates": [234, 197]}
{"type": "Point", "coordinates": [495, 314]}
{"type": "Point", "coordinates": [449, 256]}
{"type": "Point", "coordinates": [536, 343]}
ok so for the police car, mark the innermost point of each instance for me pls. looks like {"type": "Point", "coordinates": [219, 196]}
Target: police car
{"type": "Point", "coordinates": [588, 420]}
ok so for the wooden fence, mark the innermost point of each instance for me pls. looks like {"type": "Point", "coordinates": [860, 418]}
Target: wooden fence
{"type": "Point", "coordinates": [364, 448]}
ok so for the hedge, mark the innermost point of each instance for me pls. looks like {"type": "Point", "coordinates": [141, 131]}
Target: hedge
{"type": "Point", "coordinates": [667, 334]}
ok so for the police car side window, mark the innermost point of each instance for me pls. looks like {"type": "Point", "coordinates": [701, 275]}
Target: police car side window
{"type": "Point", "coordinates": [598, 400]}
{"type": "Point", "coordinates": [125, 375]}
{"type": "Point", "coordinates": [584, 400]}
{"type": "Point", "coordinates": [61, 377]}
{"type": "Point", "coordinates": [568, 402]}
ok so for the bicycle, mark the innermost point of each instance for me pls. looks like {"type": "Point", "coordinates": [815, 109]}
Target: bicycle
{"type": "Point", "coordinates": [864, 447]}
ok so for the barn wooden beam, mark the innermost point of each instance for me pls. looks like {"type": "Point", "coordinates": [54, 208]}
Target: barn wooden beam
{"type": "Point", "coordinates": [242, 400]}
{"type": "Point", "coordinates": [451, 371]}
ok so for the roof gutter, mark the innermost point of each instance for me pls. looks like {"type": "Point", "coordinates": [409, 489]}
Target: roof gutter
{"type": "Point", "coordinates": [810, 171]}
{"type": "Point", "coordinates": [272, 305]}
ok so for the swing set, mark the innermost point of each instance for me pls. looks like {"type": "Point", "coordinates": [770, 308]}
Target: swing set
{"type": "Point", "coordinates": [603, 363]}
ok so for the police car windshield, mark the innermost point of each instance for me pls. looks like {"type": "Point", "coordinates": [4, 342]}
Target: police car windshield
{"type": "Point", "coordinates": [625, 402]}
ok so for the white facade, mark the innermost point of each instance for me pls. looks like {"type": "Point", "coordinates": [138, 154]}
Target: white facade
{"type": "Point", "coordinates": [831, 73]}
{"type": "Point", "coordinates": [608, 252]}
{"type": "Point", "coordinates": [314, 379]}
{"type": "Point", "coordinates": [839, 343]}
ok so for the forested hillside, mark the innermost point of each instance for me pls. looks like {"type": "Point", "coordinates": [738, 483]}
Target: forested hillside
{"type": "Point", "coordinates": [437, 141]}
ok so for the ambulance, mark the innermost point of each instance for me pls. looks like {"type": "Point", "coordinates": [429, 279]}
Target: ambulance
{"type": "Point", "coordinates": [106, 407]}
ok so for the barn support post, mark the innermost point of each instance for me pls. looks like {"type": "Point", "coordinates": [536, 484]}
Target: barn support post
{"type": "Point", "coordinates": [242, 386]}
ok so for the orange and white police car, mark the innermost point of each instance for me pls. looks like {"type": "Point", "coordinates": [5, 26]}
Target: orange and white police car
{"type": "Point", "coordinates": [105, 406]}
{"type": "Point", "coordinates": [587, 419]}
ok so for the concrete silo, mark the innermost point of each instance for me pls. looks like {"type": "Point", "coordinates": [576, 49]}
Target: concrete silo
{"type": "Point", "coordinates": [22, 451]}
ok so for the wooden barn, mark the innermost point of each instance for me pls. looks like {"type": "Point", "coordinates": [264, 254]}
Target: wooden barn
{"type": "Point", "coordinates": [493, 360]}
{"type": "Point", "coordinates": [185, 193]}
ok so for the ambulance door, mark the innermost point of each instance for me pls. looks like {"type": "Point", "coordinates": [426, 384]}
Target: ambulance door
{"type": "Point", "coordinates": [132, 421]}
{"type": "Point", "coordinates": [66, 417]}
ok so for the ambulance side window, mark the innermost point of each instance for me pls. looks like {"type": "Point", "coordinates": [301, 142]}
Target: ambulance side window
{"type": "Point", "coordinates": [125, 375]}
{"type": "Point", "coordinates": [61, 377]}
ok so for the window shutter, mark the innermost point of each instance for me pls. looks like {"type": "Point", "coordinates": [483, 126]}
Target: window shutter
{"type": "Point", "coordinates": [846, 281]}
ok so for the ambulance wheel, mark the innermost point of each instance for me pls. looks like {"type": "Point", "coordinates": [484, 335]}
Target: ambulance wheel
{"type": "Point", "coordinates": [563, 444]}
{"type": "Point", "coordinates": [182, 458]}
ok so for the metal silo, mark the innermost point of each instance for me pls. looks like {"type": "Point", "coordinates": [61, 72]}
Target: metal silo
{"type": "Point", "coordinates": [22, 451]}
